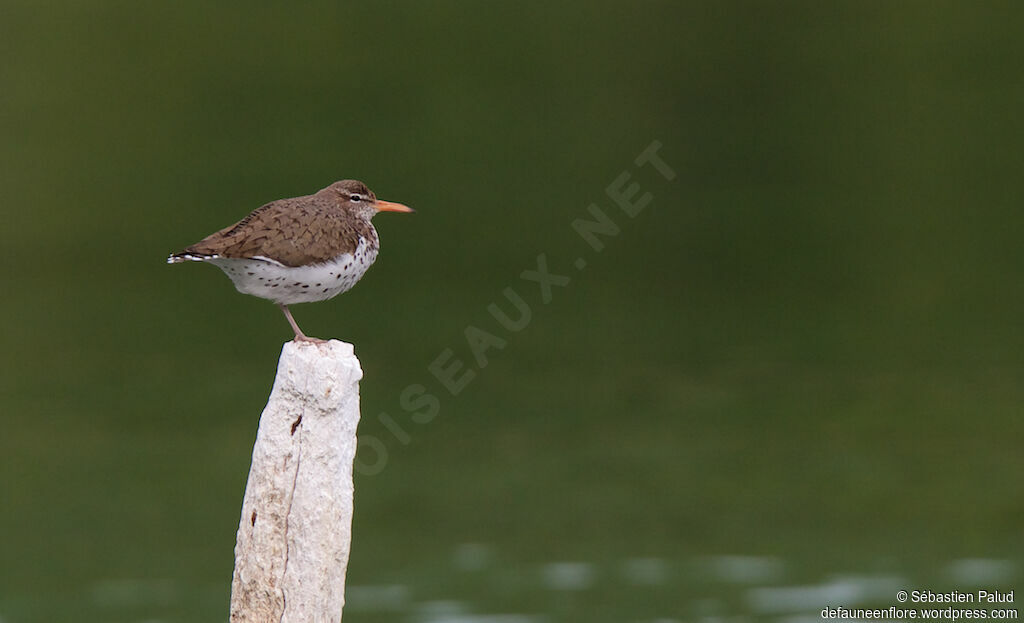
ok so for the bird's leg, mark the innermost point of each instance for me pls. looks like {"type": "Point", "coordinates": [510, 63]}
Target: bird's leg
{"type": "Point", "coordinates": [299, 335]}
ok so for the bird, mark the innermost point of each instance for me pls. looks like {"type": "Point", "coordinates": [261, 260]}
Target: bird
{"type": "Point", "coordinates": [298, 250]}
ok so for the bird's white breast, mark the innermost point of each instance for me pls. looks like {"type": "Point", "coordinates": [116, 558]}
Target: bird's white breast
{"type": "Point", "coordinates": [268, 279]}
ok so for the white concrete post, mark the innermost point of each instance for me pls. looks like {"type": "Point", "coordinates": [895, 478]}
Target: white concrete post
{"type": "Point", "coordinates": [294, 534]}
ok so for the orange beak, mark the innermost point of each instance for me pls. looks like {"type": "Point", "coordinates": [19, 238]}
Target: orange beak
{"type": "Point", "coordinates": [389, 206]}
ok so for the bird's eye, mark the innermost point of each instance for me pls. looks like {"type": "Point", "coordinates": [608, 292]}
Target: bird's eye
{"type": "Point", "coordinates": [355, 198]}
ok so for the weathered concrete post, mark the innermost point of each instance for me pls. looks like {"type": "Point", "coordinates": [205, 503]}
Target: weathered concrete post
{"type": "Point", "coordinates": [294, 534]}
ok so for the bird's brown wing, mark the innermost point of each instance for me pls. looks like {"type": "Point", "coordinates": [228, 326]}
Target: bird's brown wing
{"type": "Point", "coordinates": [293, 232]}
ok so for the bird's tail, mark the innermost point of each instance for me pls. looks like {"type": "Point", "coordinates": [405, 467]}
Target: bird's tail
{"type": "Point", "coordinates": [185, 256]}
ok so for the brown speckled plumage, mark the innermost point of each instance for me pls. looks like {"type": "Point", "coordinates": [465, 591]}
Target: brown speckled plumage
{"type": "Point", "coordinates": [298, 250]}
{"type": "Point", "coordinates": [297, 231]}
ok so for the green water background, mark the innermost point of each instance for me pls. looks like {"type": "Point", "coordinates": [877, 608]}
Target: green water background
{"type": "Point", "coordinates": [808, 346]}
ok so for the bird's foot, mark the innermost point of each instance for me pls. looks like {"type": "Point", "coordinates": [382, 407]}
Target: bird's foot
{"type": "Point", "coordinates": [299, 335]}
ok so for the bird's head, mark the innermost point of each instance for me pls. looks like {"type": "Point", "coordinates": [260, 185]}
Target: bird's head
{"type": "Point", "coordinates": [354, 196]}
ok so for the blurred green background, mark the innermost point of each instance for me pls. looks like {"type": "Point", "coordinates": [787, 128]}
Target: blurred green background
{"type": "Point", "coordinates": [800, 366]}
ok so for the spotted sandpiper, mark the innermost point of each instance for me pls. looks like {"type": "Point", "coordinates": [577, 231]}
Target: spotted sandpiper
{"type": "Point", "coordinates": [298, 250]}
